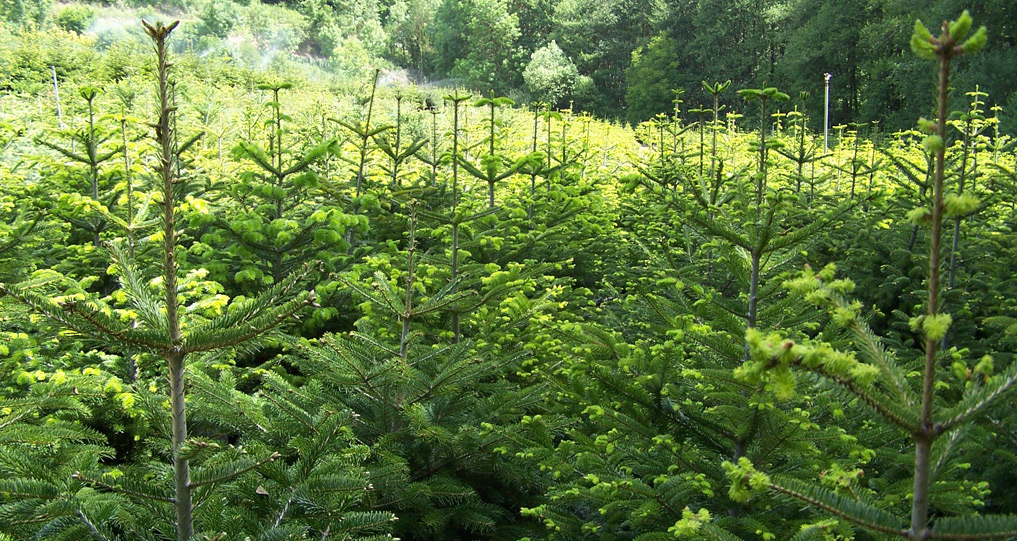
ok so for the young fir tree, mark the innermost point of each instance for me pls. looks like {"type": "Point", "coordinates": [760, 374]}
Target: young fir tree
{"type": "Point", "coordinates": [660, 408]}
{"type": "Point", "coordinates": [455, 215]}
{"type": "Point", "coordinates": [936, 426]}
{"type": "Point", "coordinates": [861, 163]}
{"type": "Point", "coordinates": [88, 149]}
{"type": "Point", "coordinates": [88, 199]}
{"type": "Point", "coordinates": [179, 491]}
{"type": "Point", "coordinates": [969, 123]}
{"type": "Point", "coordinates": [390, 143]}
{"type": "Point", "coordinates": [276, 226]}
{"type": "Point", "coordinates": [803, 151]}
{"type": "Point", "coordinates": [493, 167]}
{"type": "Point", "coordinates": [363, 132]}
{"type": "Point", "coordinates": [480, 241]}
{"type": "Point", "coordinates": [435, 410]}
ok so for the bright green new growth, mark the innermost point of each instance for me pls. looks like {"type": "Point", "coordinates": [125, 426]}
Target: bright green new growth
{"type": "Point", "coordinates": [273, 229]}
{"type": "Point", "coordinates": [879, 381]}
{"type": "Point", "coordinates": [161, 327]}
{"type": "Point", "coordinates": [494, 167]}
{"type": "Point", "coordinates": [644, 288]}
{"type": "Point", "coordinates": [715, 90]}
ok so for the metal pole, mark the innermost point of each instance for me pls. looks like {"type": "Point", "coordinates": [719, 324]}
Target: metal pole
{"type": "Point", "coordinates": [56, 95]}
{"type": "Point", "coordinates": [826, 118]}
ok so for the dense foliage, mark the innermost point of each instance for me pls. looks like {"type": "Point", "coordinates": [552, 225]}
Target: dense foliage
{"type": "Point", "coordinates": [246, 304]}
{"type": "Point", "coordinates": [615, 58]}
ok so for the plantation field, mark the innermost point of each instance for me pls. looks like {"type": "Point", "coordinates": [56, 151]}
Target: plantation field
{"type": "Point", "coordinates": [245, 304]}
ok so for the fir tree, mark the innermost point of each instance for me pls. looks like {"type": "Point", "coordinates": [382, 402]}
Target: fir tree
{"type": "Point", "coordinates": [278, 227]}
{"type": "Point", "coordinates": [160, 327]}
{"type": "Point", "coordinates": [878, 380]}
{"type": "Point", "coordinates": [660, 407]}
{"type": "Point", "coordinates": [435, 410]}
{"type": "Point", "coordinates": [391, 144]}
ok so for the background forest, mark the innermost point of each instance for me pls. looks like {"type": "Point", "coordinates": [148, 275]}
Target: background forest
{"type": "Point", "coordinates": [617, 59]}
{"type": "Point", "coordinates": [252, 294]}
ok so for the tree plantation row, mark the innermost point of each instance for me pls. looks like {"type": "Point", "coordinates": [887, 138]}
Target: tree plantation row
{"type": "Point", "coordinates": [237, 306]}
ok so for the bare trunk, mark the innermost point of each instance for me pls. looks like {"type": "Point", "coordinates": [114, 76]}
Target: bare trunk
{"type": "Point", "coordinates": [174, 357]}
{"type": "Point", "coordinates": [533, 175]}
{"type": "Point", "coordinates": [761, 186]}
{"type": "Point", "coordinates": [455, 210]}
{"type": "Point", "coordinates": [926, 433]}
{"type": "Point", "coordinates": [181, 466]}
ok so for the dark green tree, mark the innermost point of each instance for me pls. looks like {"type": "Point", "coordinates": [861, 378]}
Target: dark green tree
{"type": "Point", "coordinates": [600, 37]}
{"type": "Point", "coordinates": [655, 70]}
{"type": "Point", "coordinates": [476, 44]}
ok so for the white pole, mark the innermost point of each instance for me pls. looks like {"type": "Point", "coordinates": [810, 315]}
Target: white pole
{"type": "Point", "coordinates": [56, 95]}
{"type": "Point", "coordinates": [826, 119]}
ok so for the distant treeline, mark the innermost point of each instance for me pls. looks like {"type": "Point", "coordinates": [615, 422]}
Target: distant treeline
{"type": "Point", "coordinates": [620, 59]}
